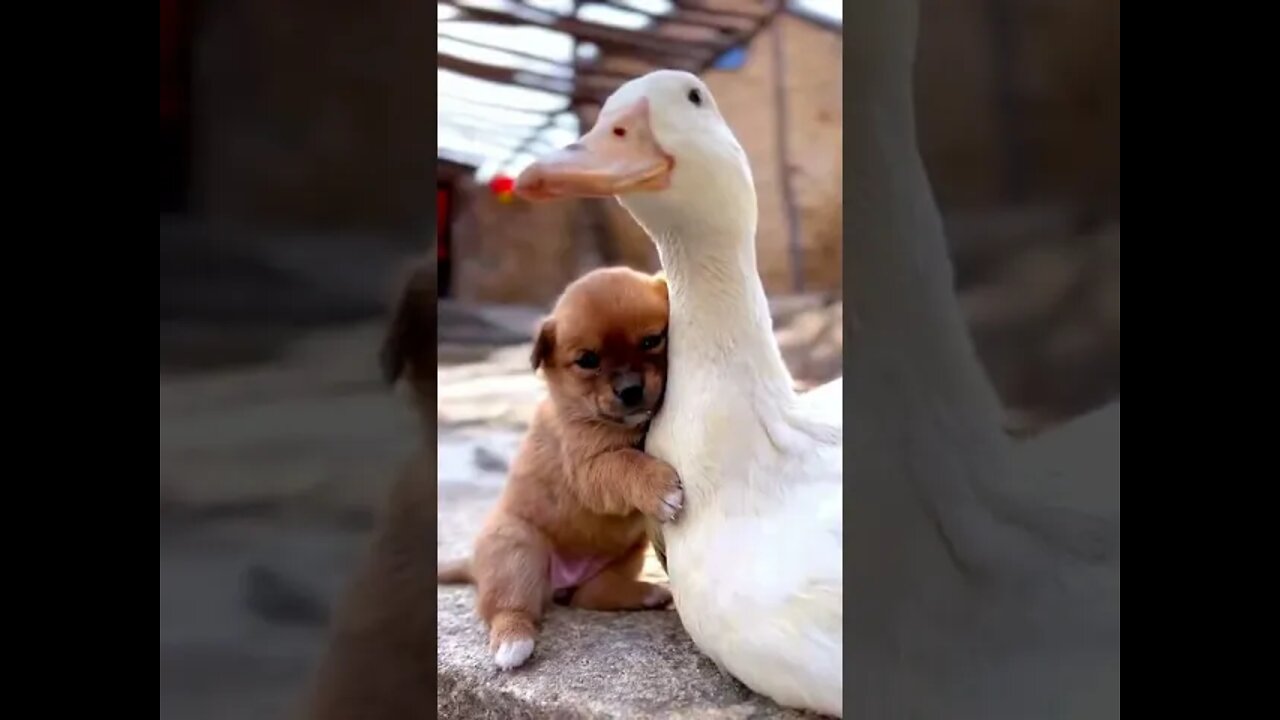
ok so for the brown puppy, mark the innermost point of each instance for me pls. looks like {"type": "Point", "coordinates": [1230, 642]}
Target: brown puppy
{"type": "Point", "coordinates": [572, 515]}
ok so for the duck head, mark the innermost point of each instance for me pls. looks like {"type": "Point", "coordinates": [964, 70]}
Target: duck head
{"type": "Point", "coordinates": [662, 148]}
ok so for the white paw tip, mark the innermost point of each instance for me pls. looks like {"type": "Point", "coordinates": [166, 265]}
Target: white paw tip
{"type": "Point", "coordinates": [513, 653]}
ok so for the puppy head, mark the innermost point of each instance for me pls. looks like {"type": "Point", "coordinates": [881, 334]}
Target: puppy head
{"type": "Point", "coordinates": [603, 350]}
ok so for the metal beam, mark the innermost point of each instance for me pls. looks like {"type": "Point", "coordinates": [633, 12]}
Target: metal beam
{"type": "Point", "coordinates": [744, 39]}
{"type": "Point", "coordinates": [476, 114]}
{"type": "Point", "coordinates": [696, 18]}
{"type": "Point", "coordinates": [506, 50]}
{"type": "Point", "coordinates": [520, 78]}
{"type": "Point", "coordinates": [625, 41]}
{"type": "Point", "coordinates": [494, 132]}
{"type": "Point", "coordinates": [575, 69]}
{"type": "Point", "coordinates": [501, 106]}
{"type": "Point", "coordinates": [588, 83]}
{"type": "Point", "coordinates": [699, 6]}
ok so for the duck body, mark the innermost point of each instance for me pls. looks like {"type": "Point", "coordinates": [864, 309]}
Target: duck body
{"type": "Point", "coordinates": [755, 564]}
{"type": "Point", "coordinates": [755, 560]}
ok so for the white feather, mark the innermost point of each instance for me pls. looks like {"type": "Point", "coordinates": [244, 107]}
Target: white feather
{"type": "Point", "coordinates": [755, 557]}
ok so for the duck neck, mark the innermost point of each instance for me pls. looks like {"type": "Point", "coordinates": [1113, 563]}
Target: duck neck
{"type": "Point", "coordinates": [719, 312]}
{"type": "Point", "coordinates": [926, 431]}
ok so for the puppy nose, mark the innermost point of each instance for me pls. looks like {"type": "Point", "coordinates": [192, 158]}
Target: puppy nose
{"type": "Point", "coordinates": [631, 395]}
{"type": "Point", "coordinates": [629, 387]}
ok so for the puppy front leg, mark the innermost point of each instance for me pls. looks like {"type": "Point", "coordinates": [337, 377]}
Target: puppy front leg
{"type": "Point", "coordinates": [512, 573]}
{"type": "Point", "coordinates": [622, 481]}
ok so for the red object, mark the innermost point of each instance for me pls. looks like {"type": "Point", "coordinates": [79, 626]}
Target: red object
{"type": "Point", "coordinates": [501, 185]}
{"type": "Point", "coordinates": [442, 223]}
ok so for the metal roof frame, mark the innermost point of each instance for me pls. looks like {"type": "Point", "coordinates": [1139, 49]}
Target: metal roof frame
{"type": "Point", "coordinates": [706, 32]}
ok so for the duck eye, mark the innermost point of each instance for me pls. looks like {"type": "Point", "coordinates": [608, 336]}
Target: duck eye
{"type": "Point", "coordinates": [651, 342]}
{"type": "Point", "coordinates": [695, 97]}
{"type": "Point", "coordinates": [588, 360]}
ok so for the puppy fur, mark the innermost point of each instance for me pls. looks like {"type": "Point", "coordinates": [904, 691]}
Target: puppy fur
{"type": "Point", "coordinates": [572, 517]}
{"type": "Point", "coordinates": [380, 663]}
{"type": "Point", "coordinates": [409, 347]}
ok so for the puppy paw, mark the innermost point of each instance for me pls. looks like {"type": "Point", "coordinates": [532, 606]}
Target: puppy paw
{"type": "Point", "coordinates": [513, 653]}
{"type": "Point", "coordinates": [672, 504]}
{"type": "Point", "coordinates": [665, 496]}
{"type": "Point", "coordinates": [657, 597]}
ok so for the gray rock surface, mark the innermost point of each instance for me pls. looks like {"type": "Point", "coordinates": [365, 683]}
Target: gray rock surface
{"type": "Point", "coordinates": [586, 664]}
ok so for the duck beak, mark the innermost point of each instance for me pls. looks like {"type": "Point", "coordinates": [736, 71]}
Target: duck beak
{"type": "Point", "coordinates": [619, 155]}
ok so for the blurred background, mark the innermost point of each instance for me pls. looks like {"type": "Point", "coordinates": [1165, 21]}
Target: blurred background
{"type": "Point", "coordinates": [1019, 125]}
{"type": "Point", "coordinates": [296, 172]}
{"type": "Point", "coordinates": [296, 175]}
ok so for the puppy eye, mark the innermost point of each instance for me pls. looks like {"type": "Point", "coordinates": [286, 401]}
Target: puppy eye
{"type": "Point", "coordinates": [695, 97]}
{"type": "Point", "coordinates": [651, 342]}
{"type": "Point", "coordinates": [588, 360]}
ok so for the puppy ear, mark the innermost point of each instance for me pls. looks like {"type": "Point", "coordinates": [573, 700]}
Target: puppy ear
{"type": "Point", "coordinates": [543, 344]}
{"type": "Point", "coordinates": [411, 334]}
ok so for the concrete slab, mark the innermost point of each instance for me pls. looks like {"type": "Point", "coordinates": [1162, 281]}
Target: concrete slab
{"type": "Point", "coordinates": [586, 664]}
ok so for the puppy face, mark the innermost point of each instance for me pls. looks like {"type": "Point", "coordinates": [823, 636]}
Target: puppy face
{"type": "Point", "coordinates": [603, 351]}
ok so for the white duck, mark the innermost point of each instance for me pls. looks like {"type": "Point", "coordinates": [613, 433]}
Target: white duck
{"type": "Point", "coordinates": [755, 558]}
{"type": "Point", "coordinates": [974, 595]}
